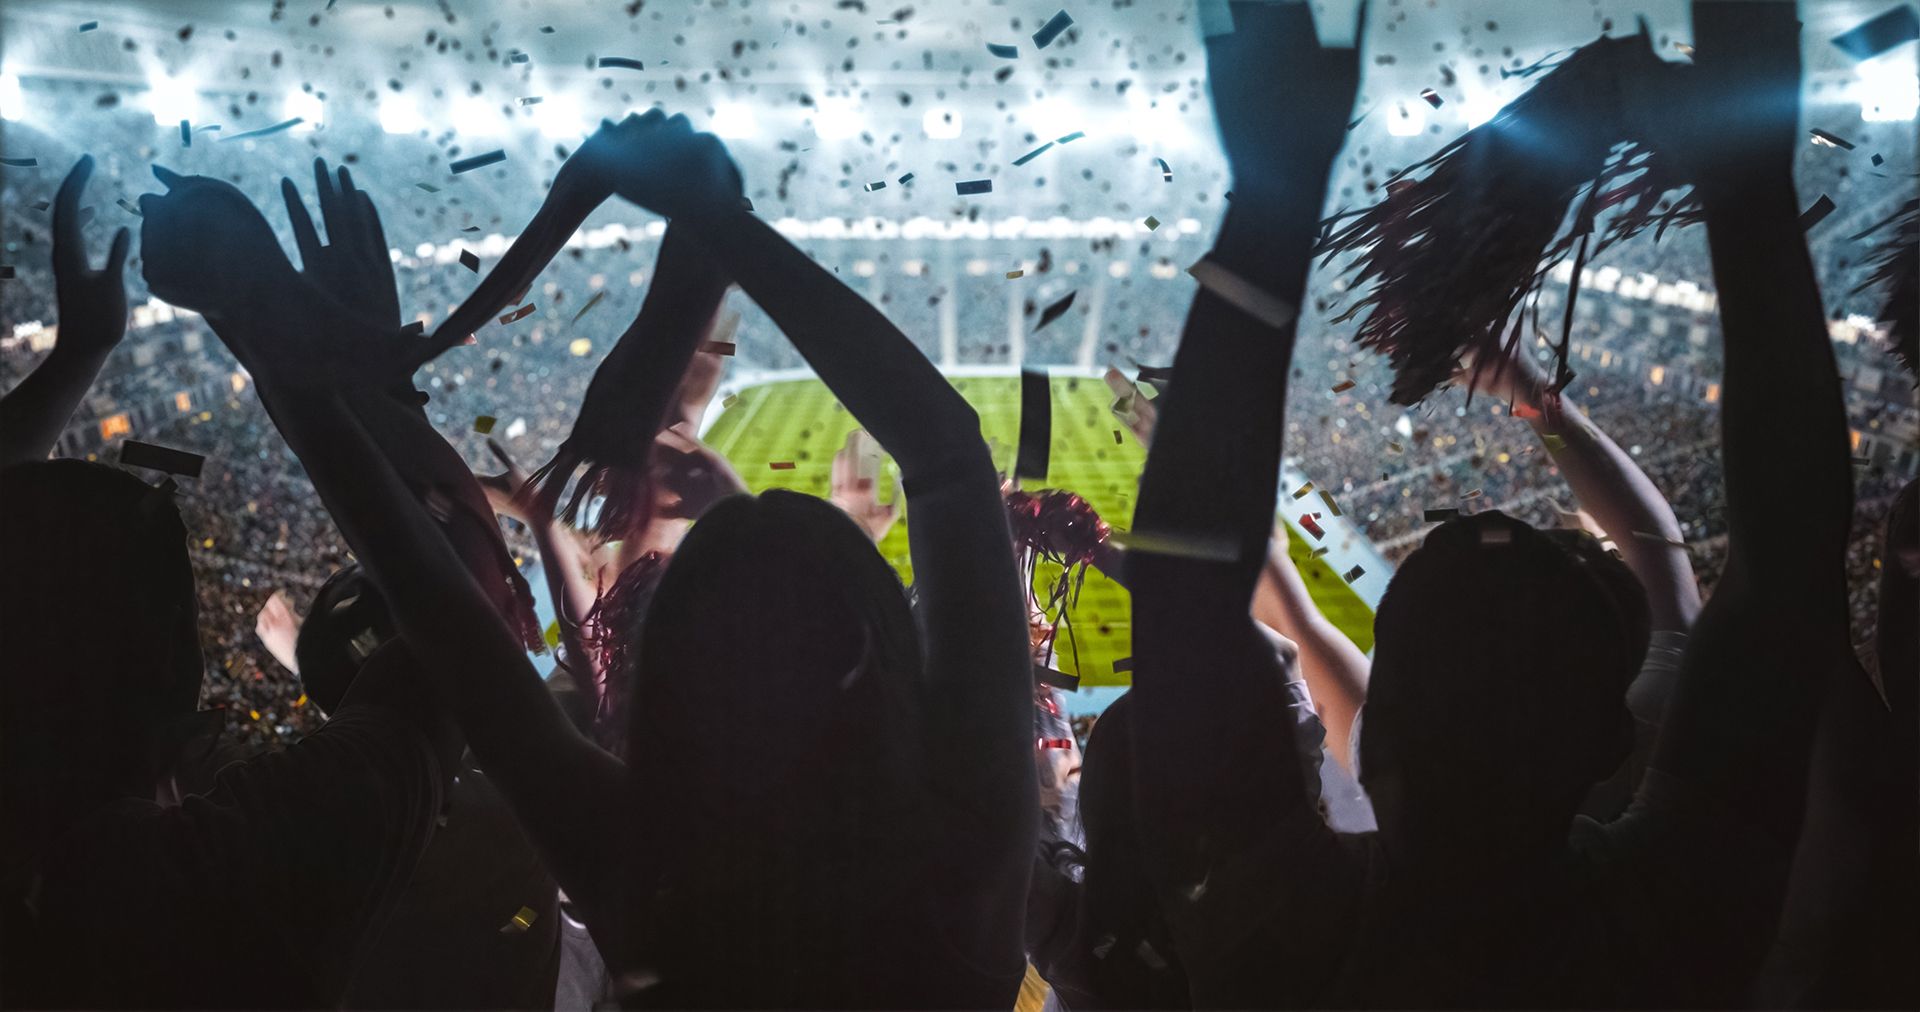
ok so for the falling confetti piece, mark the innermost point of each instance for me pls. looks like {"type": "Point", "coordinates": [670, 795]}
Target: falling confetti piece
{"type": "Point", "coordinates": [546, 29]}
{"type": "Point", "coordinates": [597, 296]}
{"type": "Point", "coordinates": [471, 228]}
{"type": "Point", "coordinates": [904, 180]}
{"type": "Point", "coordinates": [1056, 311]}
{"type": "Point", "coordinates": [134, 453]}
{"type": "Point", "coordinates": [1831, 140]}
{"type": "Point", "coordinates": [531, 100]}
{"type": "Point", "coordinates": [1301, 492]}
{"type": "Point", "coordinates": [878, 185]}
{"type": "Point", "coordinates": [1343, 386]}
{"type": "Point", "coordinates": [186, 134]}
{"type": "Point", "coordinates": [1441, 516]}
{"type": "Point", "coordinates": [477, 162]}
{"type": "Point", "coordinates": [484, 424]}
{"type": "Point", "coordinates": [519, 314]}
{"type": "Point", "coordinates": [1320, 551]}
{"type": "Point", "coordinates": [1166, 171]}
{"type": "Point", "coordinates": [285, 124]}
{"type": "Point", "coordinates": [581, 347]}
{"type": "Point", "coordinates": [1051, 30]}
{"type": "Point", "coordinates": [520, 921]}
{"type": "Point", "coordinates": [20, 163]}
{"type": "Point", "coordinates": [1004, 52]}
{"type": "Point", "coordinates": [717, 347]}
{"type": "Point", "coordinates": [429, 187]}
{"type": "Point", "coordinates": [781, 465]}
{"type": "Point", "coordinates": [1474, 494]}
{"type": "Point", "coordinates": [973, 186]}
{"type": "Point", "coordinates": [1396, 448]}
{"type": "Point", "coordinates": [519, 57]}
{"type": "Point", "coordinates": [1070, 138]}
{"type": "Point", "coordinates": [729, 400]}
{"type": "Point", "coordinates": [1036, 426]}
{"type": "Point", "coordinates": [129, 208]}
{"type": "Point", "coordinates": [1683, 48]}
{"type": "Point", "coordinates": [1046, 743]}
{"type": "Point", "coordinates": [89, 26]}
{"type": "Point", "coordinates": [1893, 28]}
{"type": "Point", "coordinates": [1817, 213]}
{"type": "Point", "coordinates": [1123, 665]}
{"type": "Point", "coordinates": [1353, 574]}
{"type": "Point", "coordinates": [1031, 155]}
{"type": "Point", "coordinates": [1311, 526]}
{"type": "Point", "coordinates": [470, 261]}
{"type": "Point", "coordinates": [622, 62]}
{"type": "Point", "coordinates": [1327, 497]}
{"type": "Point", "coordinates": [1116, 436]}
{"type": "Point", "coordinates": [1015, 274]}
{"type": "Point", "coordinates": [1151, 223]}
{"type": "Point", "coordinates": [1878, 161]}
{"type": "Point", "coordinates": [1433, 97]}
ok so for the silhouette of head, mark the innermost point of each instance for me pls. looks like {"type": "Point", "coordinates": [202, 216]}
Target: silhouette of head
{"type": "Point", "coordinates": [347, 623]}
{"type": "Point", "coordinates": [1501, 661]}
{"type": "Point", "coordinates": [99, 620]}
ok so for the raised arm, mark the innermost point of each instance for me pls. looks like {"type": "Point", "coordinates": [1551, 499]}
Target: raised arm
{"type": "Point", "coordinates": [93, 318]}
{"type": "Point", "coordinates": [1335, 670]}
{"type": "Point", "coordinates": [1740, 722]}
{"type": "Point", "coordinates": [1210, 694]}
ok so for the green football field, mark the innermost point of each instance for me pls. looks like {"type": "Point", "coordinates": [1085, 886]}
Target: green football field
{"type": "Point", "coordinates": [799, 421]}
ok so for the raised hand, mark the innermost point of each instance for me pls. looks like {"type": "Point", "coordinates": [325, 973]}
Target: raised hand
{"type": "Point", "coordinates": [1131, 406]}
{"type": "Point", "coordinates": [207, 248]}
{"type": "Point", "coordinates": [279, 630]}
{"type": "Point", "coordinates": [92, 304]}
{"type": "Point", "coordinates": [354, 266]}
{"type": "Point", "coordinates": [690, 475]}
{"type": "Point", "coordinates": [1275, 52]}
{"type": "Point", "coordinates": [855, 488]}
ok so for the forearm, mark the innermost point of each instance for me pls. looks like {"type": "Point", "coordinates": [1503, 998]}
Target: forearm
{"type": "Point", "coordinates": [884, 381]}
{"type": "Point", "coordinates": [1335, 670]}
{"type": "Point", "coordinates": [567, 588]}
{"type": "Point", "coordinates": [1625, 503]}
{"type": "Point", "coordinates": [34, 413]}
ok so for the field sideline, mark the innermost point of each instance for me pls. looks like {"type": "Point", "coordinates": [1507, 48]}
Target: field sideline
{"type": "Point", "coordinates": [798, 421]}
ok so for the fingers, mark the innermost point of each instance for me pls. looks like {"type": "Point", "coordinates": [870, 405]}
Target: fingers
{"type": "Point", "coordinates": [304, 235]}
{"type": "Point", "coordinates": [67, 253]}
{"type": "Point", "coordinates": [329, 200]}
{"type": "Point", "coordinates": [371, 233]}
{"type": "Point", "coordinates": [117, 255]}
{"type": "Point", "coordinates": [166, 176]}
{"type": "Point", "coordinates": [500, 454]}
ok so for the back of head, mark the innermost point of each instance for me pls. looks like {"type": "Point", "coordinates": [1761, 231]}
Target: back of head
{"type": "Point", "coordinates": [99, 610]}
{"type": "Point", "coordinates": [773, 750]}
{"type": "Point", "coordinates": [1501, 662]}
{"type": "Point", "coordinates": [347, 623]}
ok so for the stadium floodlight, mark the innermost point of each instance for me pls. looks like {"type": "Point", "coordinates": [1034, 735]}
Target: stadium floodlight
{"type": "Point", "coordinates": [1889, 90]}
{"type": "Point", "coordinates": [560, 117]}
{"type": "Point", "coordinates": [1154, 121]}
{"type": "Point", "coordinates": [12, 104]}
{"type": "Point", "coordinates": [399, 115]}
{"type": "Point", "coordinates": [1407, 119]}
{"type": "Point", "coordinates": [172, 99]}
{"type": "Point", "coordinates": [734, 121]}
{"type": "Point", "coordinates": [473, 116]}
{"type": "Point", "coordinates": [307, 106]}
{"type": "Point", "coordinates": [836, 119]}
{"type": "Point", "coordinates": [1481, 108]}
{"type": "Point", "coordinates": [941, 123]}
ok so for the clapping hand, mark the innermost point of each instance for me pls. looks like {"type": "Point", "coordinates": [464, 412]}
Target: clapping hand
{"type": "Point", "coordinates": [354, 266]}
{"type": "Point", "coordinates": [92, 304]}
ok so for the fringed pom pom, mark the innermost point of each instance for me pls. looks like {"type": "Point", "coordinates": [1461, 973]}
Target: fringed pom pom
{"type": "Point", "coordinates": [610, 632]}
{"type": "Point", "coordinates": [1056, 526]}
{"type": "Point", "coordinates": [1895, 267]}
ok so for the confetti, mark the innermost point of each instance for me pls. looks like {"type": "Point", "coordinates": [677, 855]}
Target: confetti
{"type": "Point", "coordinates": [1320, 551]}
{"type": "Point", "coordinates": [1056, 743]}
{"type": "Point", "coordinates": [973, 186]}
{"type": "Point", "coordinates": [622, 62]}
{"type": "Point", "coordinates": [525, 918]}
{"type": "Point", "coordinates": [1523, 411]}
{"type": "Point", "coordinates": [1004, 52]}
{"type": "Point", "coordinates": [904, 180]}
{"type": "Point", "coordinates": [717, 347]}
{"type": "Point", "coordinates": [471, 228]}
{"type": "Point", "coordinates": [1036, 425]}
{"type": "Point", "coordinates": [1817, 213]}
{"type": "Point", "coordinates": [546, 29]}
{"type": "Point", "coordinates": [1166, 171]}
{"type": "Point", "coordinates": [20, 163]}
{"type": "Point", "coordinates": [1830, 139]}
{"type": "Point", "coordinates": [1327, 497]}
{"type": "Point", "coordinates": [469, 261]}
{"type": "Point", "coordinates": [531, 100]}
{"type": "Point", "coordinates": [1312, 526]}
{"type": "Point", "coordinates": [1554, 443]}
{"type": "Point", "coordinates": [729, 400]}
{"type": "Point", "coordinates": [1683, 48]}
{"type": "Point", "coordinates": [127, 207]}
{"type": "Point", "coordinates": [1343, 386]}
{"type": "Point", "coordinates": [519, 57]}
{"type": "Point", "coordinates": [1472, 494]}
{"type": "Point", "coordinates": [1051, 30]}
{"type": "Point", "coordinates": [186, 134]}
{"type": "Point", "coordinates": [1151, 223]}
{"type": "Point", "coordinates": [1353, 574]}
{"type": "Point", "coordinates": [1896, 26]}
{"type": "Point", "coordinates": [1878, 161]}
{"type": "Point", "coordinates": [484, 424]}
{"type": "Point", "coordinates": [89, 26]}
{"type": "Point", "coordinates": [1123, 665]}
{"type": "Point", "coordinates": [1441, 516]}
{"type": "Point", "coordinates": [478, 161]}
{"type": "Point", "coordinates": [879, 185]}
{"type": "Point", "coordinates": [1056, 311]}
{"type": "Point", "coordinates": [1035, 153]}
{"type": "Point", "coordinates": [580, 347]}
{"type": "Point", "coordinates": [429, 187]}
{"type": "Point", "coordinates": [781, 465]}
{"type": "Point", "coordinates": [1303, 490]}
{"type": "Point", "coordinates": [285, 124]}
{"type": "Point", "coordinates": [134, 453]}
{"type": "Point", "coordinates": [1433, 97]}
{"type": "Point", "coordinates": [597, 296]}
{"type": "Point", "coordinates": [519, 314]}
{"type": "Point", "coordinates": [1177, 546]}
{"type": "Point", "coordinates": [1070, 138]}
{"type": "Point", "coordinates": [1015, 274]}
{"type": "Point", "coordinates": [1116, 436]}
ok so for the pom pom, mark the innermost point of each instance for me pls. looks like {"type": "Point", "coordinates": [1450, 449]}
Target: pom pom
{"type": "Point", "coordinates": [1059, 527]}
{"type": "Point", "coordinates": [1895, 266]}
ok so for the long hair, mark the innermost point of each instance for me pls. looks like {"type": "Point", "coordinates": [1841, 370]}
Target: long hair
{"type": "Point", "coordinates": [774, 759]}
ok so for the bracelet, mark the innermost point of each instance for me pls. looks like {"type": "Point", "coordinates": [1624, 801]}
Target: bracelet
{"type": "Point", "coordinates": [1242, 294]}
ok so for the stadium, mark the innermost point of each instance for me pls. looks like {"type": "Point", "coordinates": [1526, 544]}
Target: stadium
{"type": "Point", "coordinates": [852, 123]}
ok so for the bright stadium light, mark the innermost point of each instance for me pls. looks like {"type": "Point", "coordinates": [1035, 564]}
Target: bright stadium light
{"type": "Point", "coordinates": [307, 106]}
{"type": "Point", "coordinates": [734, 121]}
{"type": "Point", "coordinates": [1889, 91]}
{"type": "Point", "coordinates": [1154, 121]}
{"type": "Point", "coordinates": [172, 99]}
{"type": "Point", "coordinates": [941, 123]}
{"type": "Point", "coordinates": [836, 119]}
{"type": "Point", "coordinates": [1407, 119]}
{"type": "Point", "coordinates": [473, 116]}
{"type": "Point", "coordinates": [560, 117]}
{"type": "Point", "coordinates": [12, 104]}
{"type": "Point", "coordinates": [1051, 118]}
{"type": "Point", "coordinates": [1481, 108]}
{"type": "Point", "coordinates": [399, 115]}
